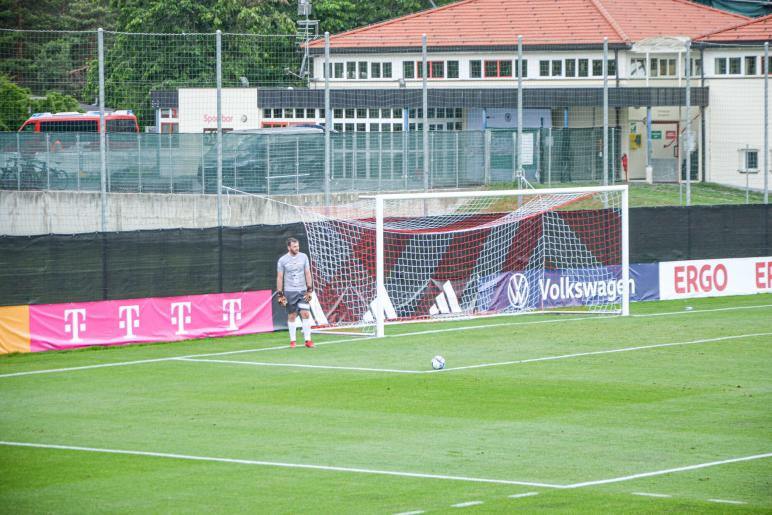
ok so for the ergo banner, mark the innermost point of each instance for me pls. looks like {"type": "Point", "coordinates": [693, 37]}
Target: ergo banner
{"type": "Point", "coordinates": [715, 277]}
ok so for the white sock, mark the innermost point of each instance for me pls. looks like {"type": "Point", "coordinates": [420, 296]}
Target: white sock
{"type": "Point", "coordinates": [292, 328]}
{"type": "Point", "coordinates": [307, 328]}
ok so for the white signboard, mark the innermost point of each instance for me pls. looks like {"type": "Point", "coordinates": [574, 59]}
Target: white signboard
{"type": "Point", "coordinates": [715, 277]}
{"type": "Point", "coordinates": [198, 109]}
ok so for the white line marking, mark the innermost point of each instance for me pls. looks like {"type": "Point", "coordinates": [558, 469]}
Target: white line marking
{"type": "Point", "coordinates": [279, 464]}
{"type": "Point", "coordinates": [300, 365]}
{"type": "Point", "coordinates": [645, 494]}
{"type": "Point", "coordinates": [669, 471]}
{"type": "Point", "coordinates": [610, 351]}
{"type": "Point", "coordinates": [415, 333]}
{"type": "Point", "coordinates": [466, 504]}
{"type": "Point", "coordinates": [411, 512]}
{"type": "Point", "coordinates": [527, 494]}
{"type": "Point", "coordinates": [727, 501]}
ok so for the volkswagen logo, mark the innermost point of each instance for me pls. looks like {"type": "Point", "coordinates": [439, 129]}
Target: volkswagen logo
{"type": "Point", "coordinates": [517, 291]}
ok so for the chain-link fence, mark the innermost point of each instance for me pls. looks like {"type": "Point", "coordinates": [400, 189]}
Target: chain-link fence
{"type": "Point", "coordinates": [111, 112]}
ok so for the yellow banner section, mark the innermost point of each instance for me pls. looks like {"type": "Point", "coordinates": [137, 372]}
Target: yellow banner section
{"type": "Point", "coordinates": [14, 329]}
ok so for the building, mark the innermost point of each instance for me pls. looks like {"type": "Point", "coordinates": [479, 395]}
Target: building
{"type": "Point", "coordinates": [375, 76]}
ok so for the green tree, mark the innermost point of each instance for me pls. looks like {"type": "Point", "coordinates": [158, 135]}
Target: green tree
{"type": "Point", "coordinates": [15, 101]}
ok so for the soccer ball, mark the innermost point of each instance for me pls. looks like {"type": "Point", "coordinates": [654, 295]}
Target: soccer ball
{"type": "Point", "coordinates": [438, 362]}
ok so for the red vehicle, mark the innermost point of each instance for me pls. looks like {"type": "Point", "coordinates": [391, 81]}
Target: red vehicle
{"type": "Point", "coordinates": [117, 121]}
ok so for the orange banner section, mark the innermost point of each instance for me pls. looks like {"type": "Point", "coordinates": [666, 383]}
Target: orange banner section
{"type": "Point", "coordinates": [14, 329]}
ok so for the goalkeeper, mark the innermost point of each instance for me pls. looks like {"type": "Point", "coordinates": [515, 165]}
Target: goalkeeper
{"type": "Point", "coordinates": [294, 287]}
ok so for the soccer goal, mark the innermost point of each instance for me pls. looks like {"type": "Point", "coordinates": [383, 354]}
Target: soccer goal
{"type": "Point", "coordinates": [398, 258]}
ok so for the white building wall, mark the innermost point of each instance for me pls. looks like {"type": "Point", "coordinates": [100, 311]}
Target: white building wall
{"type": "Point", "coordinates": [735, 119]}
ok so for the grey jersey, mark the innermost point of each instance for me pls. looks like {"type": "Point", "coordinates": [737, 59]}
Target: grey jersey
{"type": "Point", "coordinates": [294, 268]}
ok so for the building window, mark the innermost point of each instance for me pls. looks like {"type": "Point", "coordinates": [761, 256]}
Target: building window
{"type": "Point", "coordinates": [310, 113]}
{"type": "Point", "coordinates": [452, 69]}
{"type": "Point", "coordinates": [386, 70]}
{"type": "Point", "coordinates": [385, 127]}
{"type": "Point", "coordinates": [557, 68]}
{"type": "Point", "coordinates": [338, 67]}
{"type": "Point", "coordinates": [544, 68]}
{"type": "Point", "coordinates": [300, 113]}
{"type": "Point", "coordinates": [597, 68]}
{"type": "Point", "coordinates": [351, 70]}
{"type": "Point", "coordinates": [637, 67]}
{"type": "Point", "coordinates": [322, 114]}
{"type": "Point", "coordinates": [720, 65]}
{"type": "Point", "coordinates": [374, 127]}
{"type": "Point", "coordinates": [570, 67]}
{"type": "Point", "coordinates": [475, 69]}
{"type": "Point", "coordinates": [750, 65]}
{"type": "Point", "coordinates": [363, 70]}
{"type": "Point", "coordinates": [524, 64]}
{"type": "Point", "coordinates": [375, 70]}
{"type": "Point", "coordinates": [337, 113]}
{"type": "Point", "coordinates": [396, 127]}
{"type": "Point", "coordinates": [349, 127]}
{"type": "Point", "coordinates": [289, 113]}
{"type": "Point", "coordinates": [498, 69]}
{"type": "Point", "coordinates": [338, 127]}
{"type": "Point", "coordinates": [361, 127]}
{"type": "Point", "coordinates": [169, 113]}
{"type": "Point", "coordinates": [277, 113]}
{"type": "Point", "coordinates": [663, 67]}
{"type": "Point", "coordinates": [419, 69]}
{"type": "Point", "coordinates": [437, 70]}
{"type": "Point", "coordinates": [266, 113]}
{"type": "Point", "coordinates": [408, 69]}
{"type": "Point", "coordinates": [361, 113]}
{"type": "Point", "coordinates": [734, 65]}
{"type": "Point", "coordinates": [584, 67]}
{"type": "Point", "coordinates": [349, 113]}
{"type": "Point", "coordinates": [396, 113]}
{"type": "Point", "coordinates": [374, 113]}
{"type": "Point", "coordinates": [696, 69]}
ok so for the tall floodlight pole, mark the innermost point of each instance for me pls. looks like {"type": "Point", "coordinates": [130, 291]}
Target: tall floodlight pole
{"type": "Point", "coordinates": [327, 120]}
{"type": "Point", "coordinates": [605, 111]}
{"type": "Point", "coordinates": [688, 128]}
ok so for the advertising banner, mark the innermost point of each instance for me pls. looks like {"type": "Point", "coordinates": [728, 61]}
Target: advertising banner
{"type": "Point", "coordinates": [118, 322]}
{"type": "Point", "coordinates": [715, 277]}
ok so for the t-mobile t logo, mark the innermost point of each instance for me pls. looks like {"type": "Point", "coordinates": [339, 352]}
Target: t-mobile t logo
{"type": "Point", "coordinates": [75, 322]}
{"type": "Point", "coordinates": [181, 316]}
{"type": "Point", "coordinates": [231, 312]}
{"type": "Point", "coordinates": [129, 316]}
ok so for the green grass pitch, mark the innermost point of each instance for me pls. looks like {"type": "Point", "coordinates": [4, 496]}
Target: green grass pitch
{"type": "Point", "coordinates": [669, 410]}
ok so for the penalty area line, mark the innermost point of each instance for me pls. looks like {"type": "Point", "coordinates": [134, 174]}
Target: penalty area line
{"type": "Point", "coordinates": [278, 464]}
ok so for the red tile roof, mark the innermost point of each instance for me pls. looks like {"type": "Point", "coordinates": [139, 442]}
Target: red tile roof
{"type": "Point", "coordinates": [540, 22]}
{"type": "Point", "coordinates": [759, 29]}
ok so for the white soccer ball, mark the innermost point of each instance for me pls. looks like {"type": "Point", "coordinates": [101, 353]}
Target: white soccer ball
{"type": "Point", "coordinates": [438, 362]}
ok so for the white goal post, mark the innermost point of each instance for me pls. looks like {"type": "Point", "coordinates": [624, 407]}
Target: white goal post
{"type": "Point", "coordinates": [404, 257]}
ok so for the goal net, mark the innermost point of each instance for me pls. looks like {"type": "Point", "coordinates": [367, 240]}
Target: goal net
{"type": "Point", "coordinates": [412, 257]}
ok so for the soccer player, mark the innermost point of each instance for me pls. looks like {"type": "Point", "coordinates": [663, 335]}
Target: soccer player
{"type": "Point", "coordinates": [294, 287]}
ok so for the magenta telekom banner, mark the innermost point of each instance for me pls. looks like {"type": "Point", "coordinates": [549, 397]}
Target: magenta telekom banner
{"type": "Point", "coordinates": [119, 322]}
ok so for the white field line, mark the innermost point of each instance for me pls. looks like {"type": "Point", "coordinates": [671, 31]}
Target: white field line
{"type": "Point", "coordinates": [609, 351]}
{"type": "Point", "coordinates": [645, 494]}
{"type": "Point", "coordinates": [300, 365]}
{"type": "Point", "coordinates": [359, 338]}
{"type": "Point", "coordinates": [526, 494]}
{"type": "Point", "coordinates": [466, 504]}
{"type": "Point", "coordinates": [669, 471]}
{"type": "Point", "coordinates": [278, 464]}
{"type": "Point", "coordinates": [417, 512]}
{"type": "Point", "coordinates": [392, 472]}
{"type": "Point", "coordinates": [727, 501]}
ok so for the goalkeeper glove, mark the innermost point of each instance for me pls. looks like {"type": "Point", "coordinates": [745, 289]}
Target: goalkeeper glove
{"type": "Point", "coordinates": [307, 294]}
{"type": "Point", "coordinates": [281, 298]}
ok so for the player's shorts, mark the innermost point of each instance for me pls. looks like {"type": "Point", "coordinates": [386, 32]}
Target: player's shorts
{"type": "Point", "coordinates": [296, 302]}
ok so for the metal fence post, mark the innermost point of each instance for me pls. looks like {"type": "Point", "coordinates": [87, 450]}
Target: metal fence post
{"type": "Point", "coordinates": [766, 122]}
{"type": "Point", "coordinates": [218, 38]}
{"type": "Point", "coordinates": [519, 146]}
{"type": "Point", "coordinates": [425, 103]}
{"type": "Point", "coordinates": [327, 122]}
{"type": "Point", "coordinates": [48, 160]}
{"type": "Point", "coordinates": [605, 111]}
{"type": "Point", "coordinates": [80, 161]}
{"type": "Point", "coordinates": [487, 156]}
{"type": "Point", "coordinates": [102, 144]}
{"type": "Point", "coordinates": [688, 127]}
{"type": "Point", "coordinates": [139, 162]}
